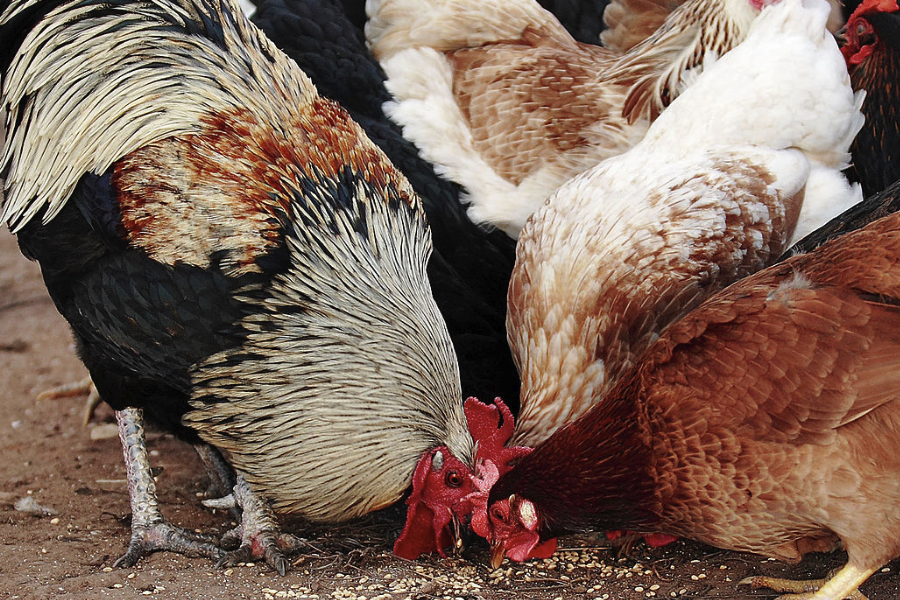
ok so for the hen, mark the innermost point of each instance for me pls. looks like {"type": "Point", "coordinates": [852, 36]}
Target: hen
{"type": "Point", "coordinates": [764, 421]}
{"type": "Point", "coordinates": [235, 259]}
{"type": "Point", "coordinates": [872, 48]}
{"type": "Point", "coordinates": [622, 250]}
{"type": "Point", "coordinates": [506, 103]}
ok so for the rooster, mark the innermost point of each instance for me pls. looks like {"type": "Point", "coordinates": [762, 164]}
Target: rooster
{"type": "Point", "coordinates": [871, 46]}
{"type": "Point", "coordinates": [623, 250]}
{"type": "Point", "coordinates": [764, 421]}
{"type": "Point", "coordinates": [469, 268]}
{"type": "Point", "coordinates": [510, 106]}
{"type": "Point", "coordinates": [237, 261]}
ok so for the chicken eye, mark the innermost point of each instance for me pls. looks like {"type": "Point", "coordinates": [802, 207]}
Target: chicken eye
{"type": "Point", "coordinates": [865, 33]}
{"type": "Point", "coordinates": [498, 515]}
{"type": "Point", "coordinates": [453, 479]}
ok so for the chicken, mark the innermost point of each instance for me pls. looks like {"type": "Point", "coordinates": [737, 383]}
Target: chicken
{"type": "Point", "coordinates": [514, 107]}
{"type": "Point", "coordinates": [764, 421]}
{"type": "Point", "coordinates": [711, 194]}
{"type": "Point", "coordinates": [872, 49]}
{"type": "Point", "coordinates": [469, 269]}
{"type": "Point", "coordinates": [236, 260]}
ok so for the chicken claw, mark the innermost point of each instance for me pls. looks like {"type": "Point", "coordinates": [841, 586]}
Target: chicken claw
{"type": "Point", "coordinates": [258, 535]}
{"type": "Point", "coordinates": [76, 388]}
{"type": "Point", "coordinates": [839, 585]}
{"type": "Point", "coordinates": [150, 531]}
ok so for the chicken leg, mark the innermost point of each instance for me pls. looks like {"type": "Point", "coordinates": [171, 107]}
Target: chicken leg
{"type": "Point", "coordinates": [259, 535]}
{"type": "Point", "coordinates": [221, 475]}
{"type": "Point", "coordinates": [150, 531]}
{"type": "Point", "coordinates": [842, 585]}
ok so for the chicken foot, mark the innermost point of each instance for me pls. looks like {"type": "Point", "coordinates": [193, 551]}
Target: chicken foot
{"type": "Point", "coordinates": [150, 532]}
{"type": "Point", "coordinates": [76, 388]}
{"type": "Point", "coordinates": [259, 535]}
{"type": "Point", "coordinates": [843, 585]}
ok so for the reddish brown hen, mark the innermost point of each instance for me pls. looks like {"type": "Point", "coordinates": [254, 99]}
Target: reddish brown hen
{"type": "Point", "coordinates": [766, 420]}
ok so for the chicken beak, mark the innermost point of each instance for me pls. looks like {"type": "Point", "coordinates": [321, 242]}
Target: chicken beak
{"type": "Point", "coordinates": [497, 554]}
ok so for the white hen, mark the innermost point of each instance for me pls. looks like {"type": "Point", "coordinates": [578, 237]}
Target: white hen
{"type": "Point", "coordinates": [710, 194]}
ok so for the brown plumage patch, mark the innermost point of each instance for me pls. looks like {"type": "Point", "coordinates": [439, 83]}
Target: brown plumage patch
{"type": "Point", "coordinates": [526, 108]}
{"type": "Point", "coordinates": [229, 187]}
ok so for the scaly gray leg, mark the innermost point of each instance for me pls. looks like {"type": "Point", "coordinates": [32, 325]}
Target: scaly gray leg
{"type": "Point", "coordinates": [221, 474]}
{"type": "Point", "coordinates": [149, 530]}
{"type": "Point", "coordinates": [259, 533]}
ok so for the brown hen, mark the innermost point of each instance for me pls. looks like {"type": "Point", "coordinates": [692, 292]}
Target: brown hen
{"type": "Point", "coordinates": [766, 420]}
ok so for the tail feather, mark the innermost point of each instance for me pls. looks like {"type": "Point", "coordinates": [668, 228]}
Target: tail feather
{"type": "Point", "coordinates": [53, 85]}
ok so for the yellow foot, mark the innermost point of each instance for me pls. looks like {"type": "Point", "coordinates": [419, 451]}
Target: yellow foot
{"type": "Point", "coordinates": [841, 586]}
{"type": "Point", "coordinates": [76, 388]}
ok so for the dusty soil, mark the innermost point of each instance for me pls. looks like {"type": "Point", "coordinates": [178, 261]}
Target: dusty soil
{"type": "Point", "coordinates": [49, 456]}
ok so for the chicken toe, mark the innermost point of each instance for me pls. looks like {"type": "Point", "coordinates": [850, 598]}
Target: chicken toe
{"type": "Point", "coordinates": [150, 532]}
{"type": "Point", "coordinates": [76, 388]}
{"type": "Point", "coordinates": [146, 539]}
{"type": "Point", "coordinates": [839, 585]}
{"type": "Point", "coordinates": [259, 533]}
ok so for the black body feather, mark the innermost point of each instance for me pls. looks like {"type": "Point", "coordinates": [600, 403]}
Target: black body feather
{"type": "Point", "coordinates": [876, 149]}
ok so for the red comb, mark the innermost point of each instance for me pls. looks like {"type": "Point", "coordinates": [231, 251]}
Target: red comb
{"type": "Point", "coordinates": [432, 506]}
{"type": "Point", "coordinates": [872, 6]}
{"type": "Point", "coordinates": [491, 426]}
{"type": "Point", "coordinates": [425, 531]}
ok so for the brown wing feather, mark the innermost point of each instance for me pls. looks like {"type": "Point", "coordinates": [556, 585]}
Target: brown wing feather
{"type": "Point", "coordinates": [798, 351]}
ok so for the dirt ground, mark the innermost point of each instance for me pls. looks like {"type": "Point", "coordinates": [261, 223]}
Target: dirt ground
{"type": "Point", "coordinates": [74, 477]}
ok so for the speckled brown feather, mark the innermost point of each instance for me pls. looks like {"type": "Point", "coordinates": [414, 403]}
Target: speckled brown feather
{"type": "Point", "coordinates": [240, 175]}
{"type": "Point", "coordinates": [529, 108]}
{"type": "Point", "coordinates": [591, 291]}
{"type": "Point", "coordinates": [514, 115]}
